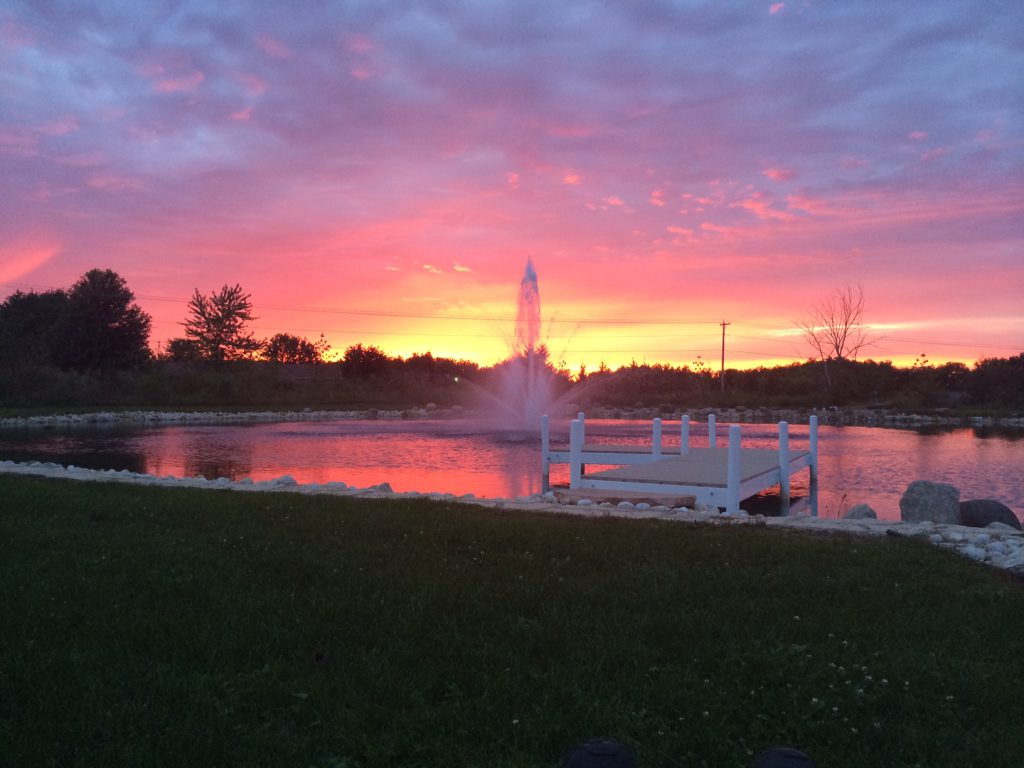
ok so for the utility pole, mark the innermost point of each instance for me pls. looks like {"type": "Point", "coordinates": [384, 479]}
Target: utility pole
{"type": "Point", "coordinates": [721, 375]}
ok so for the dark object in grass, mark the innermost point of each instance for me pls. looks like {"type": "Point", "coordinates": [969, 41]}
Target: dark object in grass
{"type": "Point", "coordinates": [782, 757]}
{"type": "Point", "coordinates": [600, 753]}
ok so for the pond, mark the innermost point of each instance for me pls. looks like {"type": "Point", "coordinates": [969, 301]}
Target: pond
{"type": "Point", "coordinates": [857, 464]}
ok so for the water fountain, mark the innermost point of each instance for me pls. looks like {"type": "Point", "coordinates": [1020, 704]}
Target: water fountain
{"type": "Point", "coordinates": [525, 385]}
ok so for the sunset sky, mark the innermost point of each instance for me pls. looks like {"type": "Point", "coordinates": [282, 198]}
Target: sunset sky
{"type": "Point", "coordinates": [381, 171]}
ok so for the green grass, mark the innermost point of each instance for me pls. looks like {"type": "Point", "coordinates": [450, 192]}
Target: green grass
{"type": "Point", "coordinates": [167, 627]}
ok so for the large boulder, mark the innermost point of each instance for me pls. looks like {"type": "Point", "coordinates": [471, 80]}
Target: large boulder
{"type": "Point", "coordinates": [860, 512]}
{"type": "Point", "coordinates": [978, 513]}
{"type": "Point", "coordinates": [924, 500]}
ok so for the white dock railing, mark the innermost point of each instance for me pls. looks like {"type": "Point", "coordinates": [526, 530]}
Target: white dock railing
{"type": "Point", "coordinates": [580, 454]}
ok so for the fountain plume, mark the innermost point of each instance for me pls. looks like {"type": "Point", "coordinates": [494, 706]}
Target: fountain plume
{"type": "Point", "coordinates": [525, 386]}
{"type": "Point", "coordinates": [527, 313]}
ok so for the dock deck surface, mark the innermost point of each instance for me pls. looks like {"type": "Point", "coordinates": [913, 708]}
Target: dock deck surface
{"type": "Point", "coordinates": [699, 467]}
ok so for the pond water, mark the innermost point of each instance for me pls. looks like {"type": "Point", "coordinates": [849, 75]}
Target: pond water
{"type": "Point", "coordinates": [857, 464]}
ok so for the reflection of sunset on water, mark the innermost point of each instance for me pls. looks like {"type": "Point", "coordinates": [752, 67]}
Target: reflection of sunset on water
{"type": "Point", "coordinates": [857, 464]}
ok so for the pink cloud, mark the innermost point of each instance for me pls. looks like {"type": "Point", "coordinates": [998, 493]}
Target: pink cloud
{"type": "Point", "coordinates": [15, 142]}
{"type": "Point", "coordinates": [572, 179]}
{"type": "Point", "coordinates": [242, 115]}
{"type": "Point", "coordinates": [171, 71]}
{"type": "Point", "coordinates": [812, 205]}
{"type": "Point", "coordinates": [273, 47]}
{"type": "Point", "coordinates": [186, 82]}
{"type": "Point", "coordinates": [933, 154]}
{"type": "Point", "coordinates": [59, 127]}
{"type": "Point", "coordinates": [760, 205]}
{"type": "Point", "coordinates": [82, 159]}
{"type": "Point", "coordinates": [657, 198]}
{"type": "Point", "coordinates": [717, 229]}
{"type": "Point", "coordinates": [569, 131]}
{"type": "Point", "coordinates": [359, 45]}
{"type": "Point", "coordinates": [24, 256]}
{"type": "Point", "coordinates": [254, 86]}
{"type": "Point", "coordinates": [613, 200]}
{"type": "Point", "coordinates": [917, 135]}
{"type": "Point", "coordinates": [779, 174]}
{"type": "Point", "coordinates": [776, 7]}
{"type": "Point", "coordinates": [113, 182]}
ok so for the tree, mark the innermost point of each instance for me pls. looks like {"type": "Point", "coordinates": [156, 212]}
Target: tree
{"type": "Point", "coordinates": [181, 350]}
{"type": "Point", "coordinates": [217, 325]}
{"type": "Point", "coordinates": [363, 362]}
{"type": "Point", "coordinates": [102, 326]}
{"type": "Point", "coordinates": [28, 326]}
{"type": "Point", "coordinates": [835, 329]}
{"type": "Point", "coordinates": [286, 348]}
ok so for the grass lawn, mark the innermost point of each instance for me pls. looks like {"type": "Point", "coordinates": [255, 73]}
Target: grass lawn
{"type": "Point", "coordinates": [176, 627]}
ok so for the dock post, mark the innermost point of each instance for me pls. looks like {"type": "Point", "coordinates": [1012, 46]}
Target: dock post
{"type": "Point", "coordinates": [575, 453]}
{"type": "Point", "coordinates": [684, 436]}
{"type": "Point", "coordinates": [712, 435]}
{"type": "Point", "coordinates": [732, 490]}
{"type": "Point", "coordinates": [784, 468]}
{"type": "Point", "coordinates": [545, 456]}
{"type": "Point", "coordinates": [656, 439]}
{"type": "Point", "coordinates": [583, 438]}
{"type": "Point", "coordinates": [814, 465]}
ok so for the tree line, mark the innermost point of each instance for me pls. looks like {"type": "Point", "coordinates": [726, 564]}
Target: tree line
{"type": "Point", "coordinates": [88, 345]}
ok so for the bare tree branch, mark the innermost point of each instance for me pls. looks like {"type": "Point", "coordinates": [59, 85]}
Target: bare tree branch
{"type": "Point", "coordinates": [835, 329]}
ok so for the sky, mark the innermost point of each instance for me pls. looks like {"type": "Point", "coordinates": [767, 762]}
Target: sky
{"type": "Point", "coordinates": [380, 172]}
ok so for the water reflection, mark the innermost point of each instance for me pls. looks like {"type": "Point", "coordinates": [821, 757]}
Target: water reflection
{"type": "Point", "coordinates": [89, 447]}
{"type": "Point", "coordinates": [858, 464]}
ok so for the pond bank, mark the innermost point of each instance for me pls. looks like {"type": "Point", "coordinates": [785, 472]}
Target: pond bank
{"type": "Point", "coordinates": [866, 417]}
{"type": "Point", "coordinates": [999, 547]}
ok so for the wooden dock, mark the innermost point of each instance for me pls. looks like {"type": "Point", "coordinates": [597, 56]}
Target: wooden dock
{"type": "Point", "coordinates": [712, 475]}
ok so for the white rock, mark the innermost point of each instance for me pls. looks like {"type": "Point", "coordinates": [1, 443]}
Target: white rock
{"type": "Point", "coordinates": [975, 553]}
{"type": "Point", "coordinates": [935, 538]}
{"type": "Point", "coordinates": [1002, 528]}
{"type": "Point", "coordinates": [585, 503]}
{"type": "Point", "coordinates": [641, 505]}
{"type": "Point", "coordinates": [1015, 560]}
{"type": "Point", "coordinates": [997, 549]}
{"type": "Point", "coordinates": [625, 505]}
